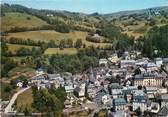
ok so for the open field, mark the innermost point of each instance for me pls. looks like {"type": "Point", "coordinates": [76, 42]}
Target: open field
{"type": "Point", "coordinates": [21, 70]}
{"type": "Point", "coordinates": [47, 35]}
{"type": "Point", "coordinates": [25, 100]}
{"type": "Point", "coordinates": [18, 58]}
{"type": "Point", "coordinates": [14, 47]}
{"type": "Point", "coordinates": [50, 51]}
{"type": "Point", "coordinates": [15, 19]}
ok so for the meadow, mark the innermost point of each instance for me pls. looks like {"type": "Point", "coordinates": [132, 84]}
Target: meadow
{"type": "Point", "coordinates": [15, 19]}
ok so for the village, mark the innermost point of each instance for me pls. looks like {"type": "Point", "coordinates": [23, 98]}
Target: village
{"type": "Point", "coordinates": [123, 86]}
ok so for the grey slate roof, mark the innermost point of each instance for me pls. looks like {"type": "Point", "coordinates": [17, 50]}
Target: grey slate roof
{"type": "Point", "coordinates": [163, 112]}
{"type": "Point", "coordinates": [119, 101]}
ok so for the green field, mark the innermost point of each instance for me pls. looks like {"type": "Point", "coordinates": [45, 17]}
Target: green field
{"type": "Point", "coordinates": [50, 51]}
{"type": "Point", "coordinates": [15, 19]}
{"type": "Point", "coordinates": [47, 35]}
{"type": "Point", "coordinates": [14, 47]}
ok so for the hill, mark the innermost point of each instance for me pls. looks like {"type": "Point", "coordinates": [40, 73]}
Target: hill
{"type": "Point", "coordinates": [20, 20]}
{"type": "Point", "coordinates": [131, 22]}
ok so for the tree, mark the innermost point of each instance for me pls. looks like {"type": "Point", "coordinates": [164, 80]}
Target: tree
{"type": "Point", "coordinates": [78, 43]}
{"type": "Point", "coordinates": [51, 44]}
{"type": "Point", "coordinates": [145, 90]}
{"type": "Point", "coordinates": [8, 89]}
{"type": "Point", "coordinates": [69, 43]}
{"type": "Point", "coordinates": [23, 51]}
{"type": "Point", "coordinates": [50, 69]}
{"type": "Point", "coordinates": [4, 48]}
{"type": "Point", "coordinates": [9, 64]}
{"type": "Point", "coordinates": [138, 112]}
{"type": "Point", "coordinates": [25, 83]}
{"type": "Point", "coordinates": [139, 87]}
{"type": "Point", "coordinates": [62, 44]}
{"type": "Point", "coordinates": [45, 101]}
{"type": "Point", "coordinates": [36, 52]}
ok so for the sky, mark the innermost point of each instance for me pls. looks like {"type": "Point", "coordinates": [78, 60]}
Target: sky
{"type": "Point", "coordinates": [90, 6]}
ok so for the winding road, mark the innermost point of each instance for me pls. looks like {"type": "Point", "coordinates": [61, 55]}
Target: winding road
{"type": "Point", "coordinates": [14, 97]}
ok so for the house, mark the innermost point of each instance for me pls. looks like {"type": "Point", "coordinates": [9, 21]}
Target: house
{"type": "Point", "coordinates": [142, 70]}
{"type": "Point", "coordinates": [40, 71]}
{"type": "Point", "coordinates": [69, 89]}
{"type": "Point", "coordinates": [128, 91]}
{"type": "Point", "coordinates": [91, 91]}
{"type": "Point", "coordinates": [98, 98]}
{"type": "Point", "coordinates": [43, 85]}
{"type": "Point", "coordinates": [126, 55]}
{"type": "Point", "coordinates": [119, 72]}
{"type": "Point", "coordinates": [54, 76]}
{"type": "Point", "coordinates": [127, 63]}
{"type": "Point", "coordinates": [163, 100]}
{"type": "Point", "coordinates": [119, 104]}
{"type": "Point", "coordinates": [148, 79]}
{"type": "Point", "coordinates": [103, 61]}
{"type": "Point", "coordinates": [116, 90]}
{"type": "Point", "coordinates": [165, 63]}
{"type": "Point", "coordinates": [151, 91]}
{"type": "Point", "coordinates": [19, 84]}
{"type": "Point", "coordinates": [39, 78]}
{"type": "Point", "coordinates": [162, 90]}
{"type": "Point", "coordinates": [113, 58]}
{"type": "Point", "coordinates": [158, 62]}
{"type": "Point", "coordinates": [106, 99]}
{"type": "Point", "coordinates": [140, 100]}
{"type": "Point", "coordinates": [151, 67]}
{"type": "Point", "coordinates": [79, 91]}
{"type": "Point", "coordinates": [142, 62]}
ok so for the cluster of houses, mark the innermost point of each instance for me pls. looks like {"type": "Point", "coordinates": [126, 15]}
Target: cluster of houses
{"type": "Point", "coordinates": [121, 84]}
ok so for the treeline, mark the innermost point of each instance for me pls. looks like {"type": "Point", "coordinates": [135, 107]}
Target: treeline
{"type": "Point", "coordinates": [21, 41]}
{"type": "Point", "coordinates": [40, 46]}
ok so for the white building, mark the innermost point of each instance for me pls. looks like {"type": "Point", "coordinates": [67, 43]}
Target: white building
{"type": "Point", "coordinates": [103, 61]}
{"type": "Point", "coordinates": [139, 100]}
{"type": "Point", "coordinates": [158, 62]}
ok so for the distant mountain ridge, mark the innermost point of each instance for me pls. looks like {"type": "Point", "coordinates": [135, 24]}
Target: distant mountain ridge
{"type": "Point", "coordinates": [69, 13]}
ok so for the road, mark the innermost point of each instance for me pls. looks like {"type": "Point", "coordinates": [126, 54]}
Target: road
{"type": "Point", "coordinates": [12, 101]}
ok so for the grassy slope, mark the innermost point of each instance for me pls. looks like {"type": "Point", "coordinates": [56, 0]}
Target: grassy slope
{"type": "Point", "coordinates": [25, 100]}
{"type": "Point", "coordinates": [131, 29]}
{"type": "Point", "coordinates": [14, 47]}
{"type": "Point", "coordinates": [14, 19]}
{"type": "Point", "coordinates": [46, 35]}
